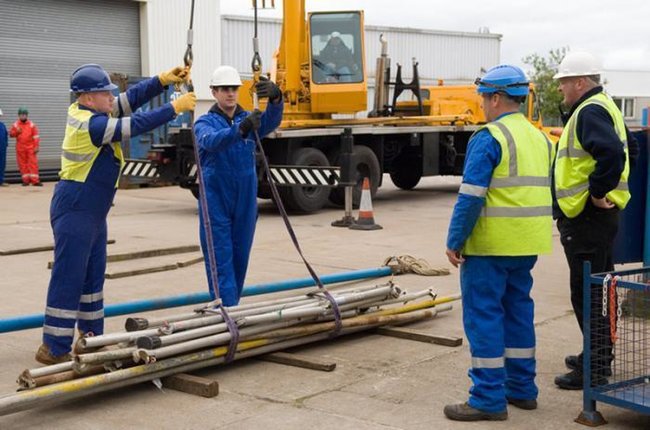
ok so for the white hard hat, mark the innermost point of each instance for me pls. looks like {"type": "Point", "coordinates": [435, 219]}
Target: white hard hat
{"type": "Point", "coordinates": [335, 34]}
{"type": "Point", "coordinates": [578, 64]}
{"type": "Point", "coordinates": [225, 76]}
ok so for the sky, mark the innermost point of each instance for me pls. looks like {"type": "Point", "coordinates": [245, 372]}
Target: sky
{"type": "Point", "coordinates": [618, 33]}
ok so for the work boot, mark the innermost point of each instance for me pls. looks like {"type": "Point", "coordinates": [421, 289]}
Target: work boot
{"type": "Point", "coordinates": [573, 380]}
{"type": "Point", "coordinates": [464, 412]}
{"type": "Point", "coordinates": [45, 356]}
{"type": "Point", "coordinates": [527, 405]}
{"type": "Point", "coordinates": [574, 362]}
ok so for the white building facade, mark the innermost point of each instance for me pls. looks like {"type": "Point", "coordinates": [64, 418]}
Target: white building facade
{"type": "Point", "coordinates": [631, 92]}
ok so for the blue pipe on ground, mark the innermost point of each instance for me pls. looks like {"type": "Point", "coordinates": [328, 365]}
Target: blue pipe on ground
{"type": "Point", "coordinates": [24, 322]}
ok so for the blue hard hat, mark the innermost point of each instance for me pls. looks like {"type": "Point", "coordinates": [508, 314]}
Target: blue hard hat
{"type": "Point", "coordinates": [90, 78]}
{"type": "Point", "coordinates": [504, 78]}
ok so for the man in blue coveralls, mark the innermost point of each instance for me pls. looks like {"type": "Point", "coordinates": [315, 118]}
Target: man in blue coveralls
{"type": "Point", "coordinates": [226, 142]}
{"type": "Point", "coordinates": [4, 140]}
{"type": "Point", "coordinates": [91, 161]}
{"type": "Point", "coordinates": [501, 222]}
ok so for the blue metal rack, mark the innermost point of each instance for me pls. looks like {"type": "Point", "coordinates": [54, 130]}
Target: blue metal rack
{"type": "Point", "coordinates": [623, 299]}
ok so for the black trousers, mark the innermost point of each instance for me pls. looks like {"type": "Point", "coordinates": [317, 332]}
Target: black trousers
{"type": "Point", "coordinates": [590, 237]}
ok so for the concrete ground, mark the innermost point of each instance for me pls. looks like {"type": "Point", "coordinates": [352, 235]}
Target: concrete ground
{"type": "Point", "coordinates": [379, 383]}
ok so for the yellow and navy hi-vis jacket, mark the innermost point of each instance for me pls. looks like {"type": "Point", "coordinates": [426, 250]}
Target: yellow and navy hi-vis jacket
{"type": "Point", "coordinates": [79, 152]}
{"type": "Point", "coordinates": [87, 131]}
{"type": "Point", "coordinates": [573, 164]}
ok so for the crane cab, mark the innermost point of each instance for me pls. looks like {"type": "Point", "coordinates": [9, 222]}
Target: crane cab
{"type": "Point", "coordinates": [336, 56]}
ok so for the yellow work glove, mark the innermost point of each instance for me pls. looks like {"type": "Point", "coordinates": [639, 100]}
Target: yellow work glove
{"type": "Point", "coordinates": [175, 76]}
{"type": "Point", "coordinates": [184, 103]}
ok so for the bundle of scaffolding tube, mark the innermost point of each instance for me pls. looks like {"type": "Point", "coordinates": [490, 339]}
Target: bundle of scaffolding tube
{"type": "Point", "coordinates": [152, 348]}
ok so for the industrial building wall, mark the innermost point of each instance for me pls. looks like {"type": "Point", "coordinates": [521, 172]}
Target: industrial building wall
{"type": "Point", "coordinates": [164, 26]}
{"type": "Point", "coordinates": [237, 41]}
{"type": "Point", "coordinates": [452, 56]}
{"type": "Point", "coordinates": [455, 57]}
{"type": "Point", "coordinates": [42, 42]}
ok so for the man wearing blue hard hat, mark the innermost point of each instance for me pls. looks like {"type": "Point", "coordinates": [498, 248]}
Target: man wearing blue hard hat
{"type": "Point", "coordinates": [501, 223]}
{"type": "Point", "coordinates": [91, 162]}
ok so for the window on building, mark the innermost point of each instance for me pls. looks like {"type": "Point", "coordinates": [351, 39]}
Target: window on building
{"type": "Point", "coordinates": [626, 105]}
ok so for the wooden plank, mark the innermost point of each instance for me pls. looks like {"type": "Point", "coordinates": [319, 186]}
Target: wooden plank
{"type": "Point", "coordinates": [192, 384]}
{"type": "Point", "coordinates": [190, 262]}
{"type": "Point", "coordinates": [146, 253]}
{"type": "Point", "coordinates": [154, 269]}
{"type": "Point", "coordinates": [299, 361]}
{"type": "Point", "coordinates": [419, 336]}
{"type": "Point", "coordinates": [152, 253]}
{"type": "Point", "coordinates": [36, 249]}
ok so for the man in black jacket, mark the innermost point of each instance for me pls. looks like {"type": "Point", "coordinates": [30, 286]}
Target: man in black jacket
{"type": "Point", "coordinates": [591, 169]}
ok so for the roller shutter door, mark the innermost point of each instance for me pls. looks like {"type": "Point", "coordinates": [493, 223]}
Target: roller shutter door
{"type": "Point", "coordinates": [42, 42]}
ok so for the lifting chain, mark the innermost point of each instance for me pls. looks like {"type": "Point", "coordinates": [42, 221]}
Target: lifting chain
{"type": "Point", "coordinates": [606, 280]}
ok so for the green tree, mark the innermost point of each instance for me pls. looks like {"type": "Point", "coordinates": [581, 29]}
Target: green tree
{"type": "Point", "coordinates": [547, 89]}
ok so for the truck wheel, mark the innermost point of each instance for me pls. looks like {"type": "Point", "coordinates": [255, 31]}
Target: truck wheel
{"type": "Point", "coordinates": [406, 171]}
{"type": "Point", "coordinates": [306, 199]}
{"type": "Point", "coordinates": [366, 165]}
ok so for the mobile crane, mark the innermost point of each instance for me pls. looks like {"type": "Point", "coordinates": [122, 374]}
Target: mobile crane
{"type": "Point", "coordinates": [425, 136]}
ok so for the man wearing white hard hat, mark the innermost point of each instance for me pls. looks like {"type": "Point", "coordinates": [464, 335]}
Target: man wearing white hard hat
{"type": "Point", "coordinates": [4, 140]}
{"type": "Point", "coordinates": [591, 170]}
{"type": "Point", "coordinates": [226, 143]}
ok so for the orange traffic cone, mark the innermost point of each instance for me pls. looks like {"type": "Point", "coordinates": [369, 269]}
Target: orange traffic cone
{"type": "Point", "coordinates": [366, 219]}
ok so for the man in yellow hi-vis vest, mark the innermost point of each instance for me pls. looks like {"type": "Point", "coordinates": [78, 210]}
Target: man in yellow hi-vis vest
{"type": "Point", "coordinates": [592, 167]}
{"type": "Point", "coordinates": [91, 161]}
{"type": "Point", "coordinates": [501, 223]}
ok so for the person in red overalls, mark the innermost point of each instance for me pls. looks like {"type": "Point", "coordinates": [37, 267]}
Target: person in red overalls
{"type": "Point", "coordinates": [27, 144]}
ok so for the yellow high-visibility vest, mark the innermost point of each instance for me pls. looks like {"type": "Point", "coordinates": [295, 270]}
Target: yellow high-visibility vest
{"type": "Point", "coordinates": [516, 219]}
{"type": "Point", "coordinates": [574, 165]}
{"type": "Point", "coordinates": [79, 153]}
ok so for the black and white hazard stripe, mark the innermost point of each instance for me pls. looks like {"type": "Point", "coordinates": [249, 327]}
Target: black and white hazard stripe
{"type": "Point", "coordinates": [140, 168]}
{"type": "Point", "coordinates": [314, 176]}
{"type": "Point", "coordinates": [310, 176]}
